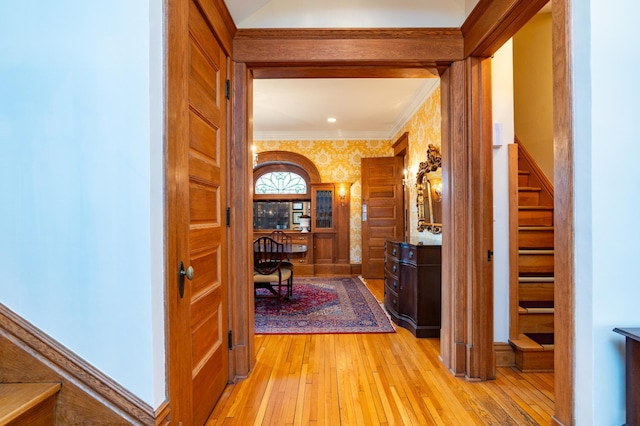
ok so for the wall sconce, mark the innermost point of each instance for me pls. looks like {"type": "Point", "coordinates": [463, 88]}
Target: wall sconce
{"type": "Point", "coordinates": [254, 152]}
{"type": "Point", "coordinates": [409, 179]}
{"type": "Point", "coordinates": [342, 193]}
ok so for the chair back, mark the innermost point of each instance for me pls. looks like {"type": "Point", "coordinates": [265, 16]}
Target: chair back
{"type": "Point", "coordinates": [267, 255]}
{"type": "Point", "coordinates": [283, 238]}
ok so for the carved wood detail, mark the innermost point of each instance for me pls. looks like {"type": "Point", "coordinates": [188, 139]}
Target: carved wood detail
{"type": "Point", "coordinates": [87, 395]}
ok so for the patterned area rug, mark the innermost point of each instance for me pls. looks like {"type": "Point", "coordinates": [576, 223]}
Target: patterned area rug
{"type": "Point", "coordinates": [322, 305]}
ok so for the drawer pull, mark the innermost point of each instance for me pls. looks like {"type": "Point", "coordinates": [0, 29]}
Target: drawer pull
{"type": "Point", "coordinates": [394, 302]}
{"type": "Point", "coordinates": [410, 254]}
{"type": "Point", "coordinates": [395, 284]}
{"type": "Point", "coordinates": [393, 251]}
{"type": "Point", "coordinates": [394, 268]}
{"type": "Point", "coordinates": [301, 260]}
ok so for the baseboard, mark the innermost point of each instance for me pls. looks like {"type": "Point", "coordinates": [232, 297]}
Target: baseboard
{"type": "Point", "coordinates": [356, 269]}
{"type": "Point", "coordinates": [505, 355]}
{"type": "Point", "coordinates": [87, 396]}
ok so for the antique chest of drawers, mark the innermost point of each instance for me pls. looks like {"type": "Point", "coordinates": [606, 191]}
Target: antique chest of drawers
{"type": "Point", "coordinates": [412, 286]}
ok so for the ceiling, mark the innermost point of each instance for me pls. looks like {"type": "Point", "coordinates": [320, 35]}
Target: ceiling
{"type": "Point", "coordinates": [363, 108]}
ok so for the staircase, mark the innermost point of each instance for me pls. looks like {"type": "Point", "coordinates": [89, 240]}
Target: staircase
{"type": "Point", "coordinates": [532, 278]}
{"type": "Point", "coordinates": [28, 403]}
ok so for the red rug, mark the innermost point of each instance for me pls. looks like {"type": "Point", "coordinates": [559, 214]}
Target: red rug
{"type": "Point", "coordinates": [322, 305]}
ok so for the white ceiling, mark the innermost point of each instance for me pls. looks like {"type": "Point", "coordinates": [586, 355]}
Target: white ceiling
{"type": "Point", "coordinates": [374, 108]}
{"type": "Point", "coordinates": [349, 13]}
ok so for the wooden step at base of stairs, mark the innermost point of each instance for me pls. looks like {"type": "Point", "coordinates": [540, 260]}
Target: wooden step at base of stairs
{"type": "Point", "coordinates": [531, 356]}
{"type": "Point", "coordinates": [535, 237]}
{"type": "Point", "coordinates": [535, 216]}
{"type": "Point", "coordinates": [28, 403]}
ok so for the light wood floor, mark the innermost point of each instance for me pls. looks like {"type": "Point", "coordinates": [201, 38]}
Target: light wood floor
{"type": "Point", "coordinates": [375, 379]}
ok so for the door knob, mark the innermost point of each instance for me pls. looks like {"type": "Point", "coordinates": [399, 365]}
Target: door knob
{"type": "Point", "coordinates": [182, 273]}
{"type": "Point", "coordinates": [188, 273]}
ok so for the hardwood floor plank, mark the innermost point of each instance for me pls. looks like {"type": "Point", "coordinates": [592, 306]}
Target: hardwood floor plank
{"type": "Point", "coordinates": [375, 379]}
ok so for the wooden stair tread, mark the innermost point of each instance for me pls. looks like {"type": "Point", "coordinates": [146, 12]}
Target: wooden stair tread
{"type": "Point", "coordinates": [526, 344]}
{"type": "Point", "coordinates": [536, 307]}
{"type": "Point", "coordinates": [540, 279]}
{"type": "Point", "coordinates": [535, 228]}
{"type": "Point", "coordinates": [535, 207]}
{"type": "Point", "coordinates": [534, 251]}
{"type": "Point", "coordinates": [18, 398]}
{"type": "Point", "coordinates": [529, 188]}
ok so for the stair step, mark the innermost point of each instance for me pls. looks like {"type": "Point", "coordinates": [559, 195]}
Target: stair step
{"type": "Point", "coordinates": [523, 177]}
{"type": "Point", "coordinates": [528, 196]}
{"type": "Point", "coordinates": [535, 216]}
{"type": "Point", "coordinates": [536, 306]}
{"type": "Point", "coordinates": [28, 403]}
{"type": "Point", "coordinates": [546, 340]}
{"type": "Point", "coordinates": [535, 237]}
{"type": "Point", "coordinates": [531, 356]}
{"type": "Point", "coordinates": [531, 291]}
{"type": "Point", "coordinates": [535, 262]}
{"type": "Point", "coordinates": [539, 279]}
{"type": "Point", "coordinates": [529, 322]}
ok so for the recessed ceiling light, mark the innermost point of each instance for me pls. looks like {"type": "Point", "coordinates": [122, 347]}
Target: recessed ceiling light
{"type": "Point", "coordinates": [331, 119]}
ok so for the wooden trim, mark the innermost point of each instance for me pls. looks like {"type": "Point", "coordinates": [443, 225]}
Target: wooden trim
{"type": "Point", "coordinates": [176, 135]}
{"type": "Point", "coordinates": [356, 269]}
{"type": "Point", "coordinates": [455, 224]}
{"type": "Point", "coordinates": [303, 71]}
{"type": "Point", "coordinates": [480, 356]}
{"type": "Point", "coordinates": [87, 395]}
{"type": "Point", "coordinates": [513, 242]}
{"type": "Point", "coordinates": [240, 199]}
{"type": "Point", "coordinates": [492, 23]}
{"type": "Point", "coordinates": [401, 146]}
{"type": "Point", "coordinates": [563, 134]}
{"type": "Point", "coordinates": [396, 47]}
{"type": "Point", "coordinates": [505, 355]}
{"type": "Point", "coordinates": [271, 157]}
{"type": "Point", "coordinates": [163, 413]}
{"type": "Point", "coordinates": [221, 22]}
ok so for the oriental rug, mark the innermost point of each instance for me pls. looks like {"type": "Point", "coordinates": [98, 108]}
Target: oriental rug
{"type": "Point", "coordinates": [322, 305]}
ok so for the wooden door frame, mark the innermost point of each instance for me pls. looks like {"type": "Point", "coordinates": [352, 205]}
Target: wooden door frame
{"type": "Point", "coordinates": [372, 53]}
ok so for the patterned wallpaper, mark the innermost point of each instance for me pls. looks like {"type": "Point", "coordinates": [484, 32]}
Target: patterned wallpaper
{"type": "Point", "coordinates": [424, 128]}
{"type": "Point", "coordinates": [339, 160]}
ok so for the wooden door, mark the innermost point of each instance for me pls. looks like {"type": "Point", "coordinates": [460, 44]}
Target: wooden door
{"type": "Point", "coordinates": [196, 173]}
{"type": "Point", "coordinates": [382, 199]}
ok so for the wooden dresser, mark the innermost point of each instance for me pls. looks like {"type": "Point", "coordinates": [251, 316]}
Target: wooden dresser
{"type": "Point", "coordinates": [412, 286]}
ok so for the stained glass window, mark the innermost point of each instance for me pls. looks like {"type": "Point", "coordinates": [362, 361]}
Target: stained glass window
{"type": "Point", "coordinates": [281, 183]}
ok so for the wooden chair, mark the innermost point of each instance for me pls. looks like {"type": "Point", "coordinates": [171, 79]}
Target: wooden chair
{"type": "Point", "coordinates": [268, 272]}
{"type": "Point", "coordinates": [283, 238]}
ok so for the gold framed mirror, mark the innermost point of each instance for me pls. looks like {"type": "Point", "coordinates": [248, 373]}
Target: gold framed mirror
{"type": "Point", "coordinates": [429, 192]}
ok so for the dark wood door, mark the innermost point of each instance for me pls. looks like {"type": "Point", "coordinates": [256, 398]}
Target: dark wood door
{"type": "Point", "coordinates": [196, 173]}
{"type": "Point", "coordinates": [382, 210]}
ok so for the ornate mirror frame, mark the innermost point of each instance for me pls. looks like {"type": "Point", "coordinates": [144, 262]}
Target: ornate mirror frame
{"type": "Point", "coordinates": [428, 194]}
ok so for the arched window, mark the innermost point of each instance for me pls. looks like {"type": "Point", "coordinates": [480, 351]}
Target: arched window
{"type": "Point", "coordinates": [281, 182]}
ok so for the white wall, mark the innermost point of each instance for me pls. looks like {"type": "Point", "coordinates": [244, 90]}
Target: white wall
{"type": "Point", "coordinates": [607, 148]}
{"type": "Point", "coordinates": [81, 180]}
{"type": "Point", "coordinates": [502, 92]}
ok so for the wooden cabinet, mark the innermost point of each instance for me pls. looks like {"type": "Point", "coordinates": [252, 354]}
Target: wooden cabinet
{"type": "Point", "coordinates": [412, 286]}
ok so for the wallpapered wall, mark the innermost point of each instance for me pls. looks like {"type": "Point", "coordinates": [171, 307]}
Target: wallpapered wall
{"type": "Point", "coordinates": [424, 128]}
{"type": "Point", "coordinates": [339, 160]}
